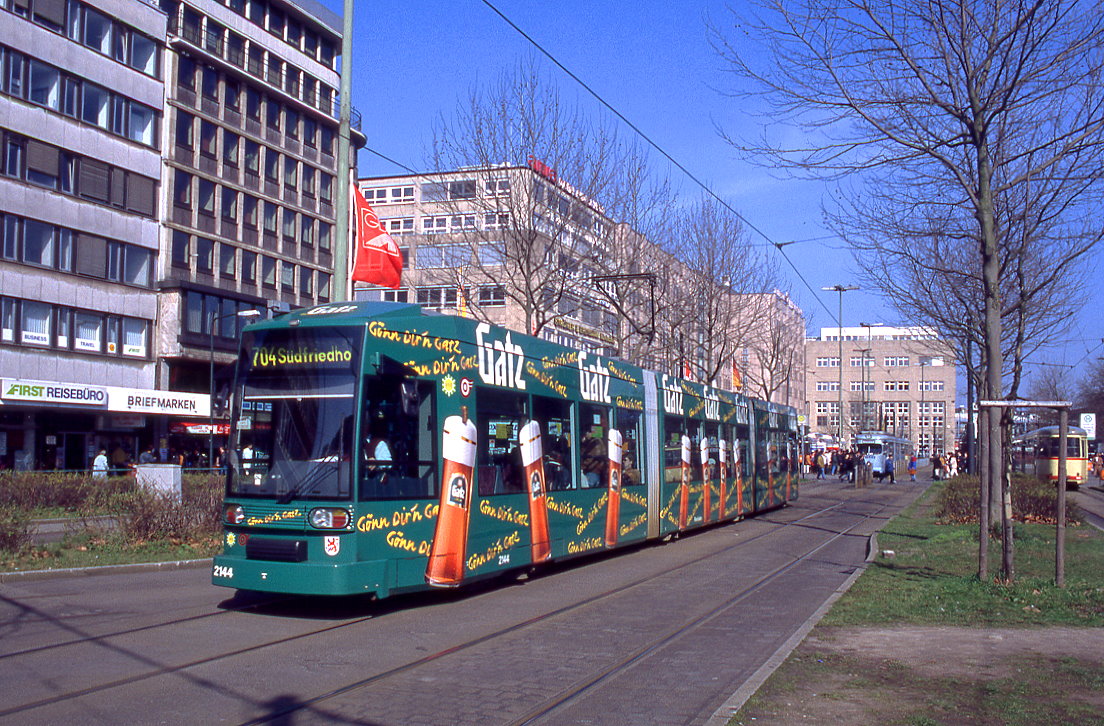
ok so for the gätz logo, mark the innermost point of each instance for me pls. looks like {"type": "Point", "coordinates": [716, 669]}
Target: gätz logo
{"type": "Point", "coordinates": [712, 404]}
{"type": "Point", "coordinates": [672, 398]}
{"type": "Point", "coordinates": [500, 362]}
{"type": "Point", "coordinates": [458, 491]}
{"type": "Point", "coordinates": [594, 380]}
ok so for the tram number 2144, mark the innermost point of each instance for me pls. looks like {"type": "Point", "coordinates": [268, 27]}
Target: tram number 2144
{"type": "Point", "coordinates": [223, 571]}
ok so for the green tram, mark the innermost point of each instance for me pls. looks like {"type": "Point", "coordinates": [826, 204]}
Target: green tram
{"type": "Point", "coordinates": [377, 448]}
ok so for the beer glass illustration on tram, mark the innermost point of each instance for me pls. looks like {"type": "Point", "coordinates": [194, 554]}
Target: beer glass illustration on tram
{"type": "Point", "coordinates": [532, 457]}
{"type": "Point", "coordinates": [684, 490]}
{"type": "Point", "coordinates": [450, 539]}
{"type": "Point", "coordinates": [722, 455]}
{"type": "Point", "coordinates": [613, 509]}
{"type": "Point", "coordinates": [706, 476]}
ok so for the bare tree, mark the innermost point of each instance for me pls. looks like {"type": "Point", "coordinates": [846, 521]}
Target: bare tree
{"type": "Point", "coordinates": [543, 240]}
{"type": "Point", "coordinates": [951, 116]}
{"type": "Point", "coordinates": [1050, 383]}
{"type": "Point", "coordinates": [776, 350]}
{"type": "Point", "coordinates": [716, 305]}
{"type": "Point", "coordinates": [1090, 389]}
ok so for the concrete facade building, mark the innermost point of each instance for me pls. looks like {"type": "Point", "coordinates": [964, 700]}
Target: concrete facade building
{"type": "Point", "coordinates": [82, 95]}
{"type": "Point", "coordinates": [901, 380]}
{"type": "Point", "coordinates": [167, 166]}
{"type": "Point", "coordinates": [492, 241]}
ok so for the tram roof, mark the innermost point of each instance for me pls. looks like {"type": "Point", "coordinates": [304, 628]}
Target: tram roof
{"type": "Point", "coordinates": [361, 312]}
{"type": "Point", "coordinates": [1047, 431]}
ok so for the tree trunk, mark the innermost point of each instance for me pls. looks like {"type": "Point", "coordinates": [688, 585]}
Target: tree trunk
{"type": "Point", "coordinates": [982, 464]}
{"type": "Point", "coordinates": [1008, 562]}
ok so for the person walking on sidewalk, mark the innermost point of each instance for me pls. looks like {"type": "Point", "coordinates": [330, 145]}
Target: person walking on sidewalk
{"type": "Point", "coordinates": [912, 467]}
{"type": "Point", "coordinates": [889, 468]}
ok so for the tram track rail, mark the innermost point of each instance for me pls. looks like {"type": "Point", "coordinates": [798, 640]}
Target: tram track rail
{"type": "Point", "coordinates": [155, 668]}
{"type": "Point", "coordinates": [586, 684]}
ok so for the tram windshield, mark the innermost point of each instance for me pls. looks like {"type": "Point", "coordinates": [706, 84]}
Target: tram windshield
{"type": "Point", "coordinates": [1075, 447]}
{"type": "Point", "coordinates": [295, 413]}
{"type": "Point", "coordinates": [875, 448]}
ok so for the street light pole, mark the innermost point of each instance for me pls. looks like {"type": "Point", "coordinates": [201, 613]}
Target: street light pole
{"type": "Point", "coordinates": [839, 337]}
{"type": "Point", "coordinates": [868, 350]}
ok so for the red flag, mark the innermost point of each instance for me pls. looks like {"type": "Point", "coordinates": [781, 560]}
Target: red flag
{"type": "Point", "coordinates": [378, 260]}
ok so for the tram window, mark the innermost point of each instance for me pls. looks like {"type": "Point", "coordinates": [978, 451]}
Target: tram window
{"type": "Point", "coordinates": [743, 450]}
{"type": "Point", "coordinates": [628, 423]}
{"type": "Point", "coordinates": [554, 418]}
{"type": "Point", "coordinates": [501, 416]}
{"type": "Point", "coordinates": [674, 427]}
{"type": "Point", "coordinates": [399, 440]}
{"type": "Point", "coordinates": [594, 450]}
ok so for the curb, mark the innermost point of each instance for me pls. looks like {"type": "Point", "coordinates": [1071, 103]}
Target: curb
{"type": "Point", "coordinates": [735, 702]}
{"type": "Point", "coordinates": [31, 575]}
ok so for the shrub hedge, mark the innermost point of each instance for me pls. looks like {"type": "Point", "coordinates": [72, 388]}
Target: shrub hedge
{"type": "Point", "coordinates": [138, 515]}
{"type": "Point", "coordinates": [1033, 500]}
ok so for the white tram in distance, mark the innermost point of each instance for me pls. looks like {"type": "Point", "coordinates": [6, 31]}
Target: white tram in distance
{"type": "Point", "coordinates": [876, 446]}
{"type": "Point", "coordinates": [1037, 452]}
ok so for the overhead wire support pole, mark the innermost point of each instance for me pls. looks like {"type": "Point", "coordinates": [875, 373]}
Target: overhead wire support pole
{"type": "Point", "coordinates": [344, 160]}
{"type": "Point", "coordinates": [839, 338]}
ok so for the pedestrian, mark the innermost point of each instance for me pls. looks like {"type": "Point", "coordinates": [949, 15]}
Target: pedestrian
{"type": "Point", "coordinates": [147, 457]}
{"type": "Point", "coordinates": [888, 471]}
{"type": "Point", "coordinates": [820, 465]}
{"type": "Point", "coordinates": [99, 465]}
{"type": "Point", "coordinates": [912, 467]}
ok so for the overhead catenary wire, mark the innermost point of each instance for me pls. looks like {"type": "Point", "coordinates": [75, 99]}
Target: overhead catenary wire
{"type": "Point", "coordinates": [689, 174]}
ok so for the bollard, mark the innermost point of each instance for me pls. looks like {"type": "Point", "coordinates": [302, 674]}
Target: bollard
{"type": "Point", "coordinates": [161, 478]}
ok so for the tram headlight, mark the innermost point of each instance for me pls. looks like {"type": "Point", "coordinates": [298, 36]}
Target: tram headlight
{"type": "Point", "coordinates": [235, 514]}
{"type": "Point", "coordinates": [329, 518]}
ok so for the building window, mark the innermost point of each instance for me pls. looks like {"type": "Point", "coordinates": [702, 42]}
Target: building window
{"type": "Point", "coordinates": [207, 197]}
{"type": "Point", "coordinates": [434, 225]}
{"type": "Point", "coordinates": [228, 258]}
{"type": "Point", "coordinates": [229, 204]}
{"type": "Point", "coordinates": [268, 271]}
{"type": "Point", "coordinates": [249, 267]}
{"type": "Point", "coordinates": [185, 136]}
{"type": "Point", "coordinates": [437, 297]}
{"type": "Point", "coordinates": [88, 335]}
{"type": "Point", "coordinates": [180, 248]}
{"type": "Point", "coordinates": [492, 295]}
{"type": "Point", "coordinates": [827, 385]}
{"type": "Point", "coordinates": [205, 255]}
{"type": "Point", "coordinates": [827, 362]}
{"type": "Point", "coordinates": [403, 225]}
{"type": "Point", "coordinates": [496, 220]}
{"type": "Point", "coordinates": [35, 328]}
{"type": "Point", "coordinates": [896, 361]}
{"type": "Point", "coordinates": [497, 187]}
{"type": "Point", "coordinates": [287, 275]}
{"type": "Point", "coordinates": [208, 139]}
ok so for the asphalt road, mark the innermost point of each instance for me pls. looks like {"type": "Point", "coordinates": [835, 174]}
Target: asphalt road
{"type": "Point", "coordinates": [677, 633]}
{"type": "Point", "coordinates": [1091, 501]}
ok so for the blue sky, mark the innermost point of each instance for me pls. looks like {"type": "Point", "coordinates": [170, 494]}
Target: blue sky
{"type": "Point", "coordinates": [651, 61]}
